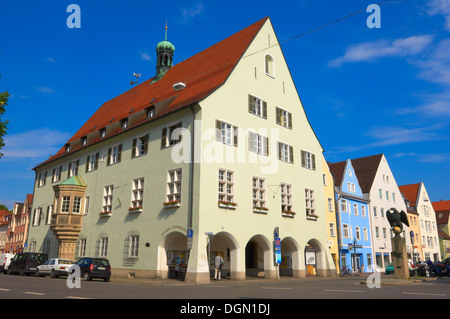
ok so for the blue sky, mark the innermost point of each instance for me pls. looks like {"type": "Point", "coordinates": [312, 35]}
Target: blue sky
{"type": "Point", "coordinates": [365, 90]}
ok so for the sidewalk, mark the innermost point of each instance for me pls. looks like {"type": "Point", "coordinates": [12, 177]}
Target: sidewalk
{"type": "Point", "coordinates": [359, 279]}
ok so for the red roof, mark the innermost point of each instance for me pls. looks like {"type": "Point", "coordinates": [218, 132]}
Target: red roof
{"type": "Point", "coordinates": [410, 192]}
{"type": "Point", "coordinates": [203, 73]}
{"type": "Point", "coordinates": [443, 205]}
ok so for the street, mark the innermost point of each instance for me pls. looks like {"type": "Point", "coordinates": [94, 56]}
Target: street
{"type": "Point", "coordinates": [27, 287]}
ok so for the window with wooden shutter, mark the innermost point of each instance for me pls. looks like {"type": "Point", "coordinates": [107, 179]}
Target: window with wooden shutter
{"type": "Point", "coordinates": [257, 106]}
{"type": "Point", "coordinates": [170, 135]}
{"type": "Point", "coordinates": [308, 160]}
{"type": "Point", "coordinates": [226, 133]}
{"type": "Point", "coordinates": [258, 143]}
{"type": "Point", "coordinates": [283, 118]}
{"type": "Point", "coordinates": [140, 146]}
{"type": "Point", "coordinates": [285, 153]}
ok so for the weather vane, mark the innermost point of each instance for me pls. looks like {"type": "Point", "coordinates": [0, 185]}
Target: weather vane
{"type": "Point", "coordinates": [137, 76]}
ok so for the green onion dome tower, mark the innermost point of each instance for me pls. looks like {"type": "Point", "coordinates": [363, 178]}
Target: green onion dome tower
{"type": "Point", "coordinates": [164, 54]}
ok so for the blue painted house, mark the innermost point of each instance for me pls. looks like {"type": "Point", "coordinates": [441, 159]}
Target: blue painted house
{"type": "Point", "coordinates": [352, 215]}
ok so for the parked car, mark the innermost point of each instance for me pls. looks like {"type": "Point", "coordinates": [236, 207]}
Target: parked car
{"type": "Point", "coordinates": [389, 268]}
{"type": "Point", "coordinates": [5, 260]}
{"type": "Point", "coordinates": [94, 268]}
{"type": "Point", "coordinates": [54, 267]}
{"type": "Point", "coordinates": [26, 263]}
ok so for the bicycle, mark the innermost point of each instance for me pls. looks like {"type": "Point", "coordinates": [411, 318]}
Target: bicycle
{"type": "Point", "coordinates": [345, 272]}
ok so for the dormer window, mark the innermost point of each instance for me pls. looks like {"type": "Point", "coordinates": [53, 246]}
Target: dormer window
{"type": "Point", "coordinates": [150, 112]}
{"type": "Point", "coordinates": [67, 148]}
{"type": "Point", "coordinates": [124, 123]}
{"type": "Point", "coordinates": [102, 132]}
{"type": "Point", "coordinates": [84, 141]}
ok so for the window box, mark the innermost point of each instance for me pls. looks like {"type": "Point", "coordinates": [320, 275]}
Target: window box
{"type": "Point", "coordinates": [173, 203]}
{"type": "Point", "coordinates": [137, 209]}
{"type": "Point", "coordinates": [105, 214]}
{"type": "Point", "coordinates": [261, 210]}
{"type": "Point", "coordinates": [288, 213]}
{"type": "Point", "coordinates": [225, 204]}
{"type": "Point", "coordinates": [311, 217]}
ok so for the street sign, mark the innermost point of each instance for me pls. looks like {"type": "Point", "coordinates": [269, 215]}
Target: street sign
{"type": "Point", "coordinates": [277, 244]}
{"type": "Point", "coordinates": [189, 234]}
{"type": "Point", "coordinates": [278, 256]}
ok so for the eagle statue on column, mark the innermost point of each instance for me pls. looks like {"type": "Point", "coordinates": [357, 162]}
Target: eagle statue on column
{"type": "Point", "coordinates": [396, 220]}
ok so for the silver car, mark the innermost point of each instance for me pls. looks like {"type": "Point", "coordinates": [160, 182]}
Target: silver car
{"type": "Point", "coordinates": [54, 267]}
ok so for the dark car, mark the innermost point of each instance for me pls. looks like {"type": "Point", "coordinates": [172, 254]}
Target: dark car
{"type": "Point", "coordinates": [26, 263]}
{"type": "Point", "coordinates": [94, 268]}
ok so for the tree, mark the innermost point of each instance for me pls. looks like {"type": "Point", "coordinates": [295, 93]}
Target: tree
{"type": "Point", "coordinates": [3, 123]}
{"type": "Point", "coordinates": [3, 207]}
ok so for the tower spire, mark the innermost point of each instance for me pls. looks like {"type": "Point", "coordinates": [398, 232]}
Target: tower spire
{"type": "Point", "coordinates": [164, 53]}
{"type": "Point", "coordinates": [165, 37]}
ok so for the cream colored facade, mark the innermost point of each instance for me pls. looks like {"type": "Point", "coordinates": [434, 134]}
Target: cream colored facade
{"type": "Point", "coordinates": [241, 233]}
{"type": "Point", "coordinates": [384, 195]}
{"type": "Point", "coordinates": [428, 226]}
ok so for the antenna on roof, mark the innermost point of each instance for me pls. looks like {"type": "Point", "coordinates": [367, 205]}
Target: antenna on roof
{"type": "Point", "coordinates": [137, 76]}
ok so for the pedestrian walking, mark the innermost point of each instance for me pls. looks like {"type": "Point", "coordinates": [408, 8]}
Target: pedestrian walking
{"type": "Point", "coordinates": [218, 262]}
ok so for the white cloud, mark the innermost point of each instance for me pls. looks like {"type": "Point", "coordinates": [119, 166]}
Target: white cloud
{"type": "Point", "coordinates": [45, 89]}
{"type": "Point", "coordinates": [33, 144]}
{"type": "Point", "coordinates": [394, 135]}
{"type": "Point", "coordinates": [145, 56]}
{"type": "Point", "coordinates": [440, 7]}
{"type": "Point", "coordinates": [436, 68]}
{"type": "Point", "coordinates": [192, 12]}
{"type": "Point", "coordinates": [371, 51]}
{"type": "Point", "coordinates": [433, 106]}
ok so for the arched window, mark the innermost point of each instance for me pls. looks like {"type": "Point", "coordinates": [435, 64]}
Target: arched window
{"type": "Point", "coordinates": [269, 65]}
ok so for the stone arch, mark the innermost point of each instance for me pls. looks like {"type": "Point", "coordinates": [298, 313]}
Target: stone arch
{"type": "Point", "coordinates": [320, 262]}
{"type": "Point", "coordinates": [290, 257]}
{"type": "Point", "coordinates": [172, 250]}
{"type": "Point", "coordinates": [228, 247]}
{"type": "Point", "coordinates": [259, 257]}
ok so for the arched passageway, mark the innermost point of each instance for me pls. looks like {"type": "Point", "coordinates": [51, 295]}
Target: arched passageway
{"type": "Point", "coordinates": [173, 256]}
{"type": "Point", "coordinates": [226, 245]}
{"type": "Point", "coordinates": [258, 257]}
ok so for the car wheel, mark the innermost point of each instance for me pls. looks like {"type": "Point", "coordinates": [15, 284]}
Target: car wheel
{"type": "Point", "coordinates": [106, 279]}
{"type": "Point", "coordinates": [86, 276]}
{"type": "Point", "coordinates": [53, 274]}
{"type": "Point", "coordinates": [37, 274]}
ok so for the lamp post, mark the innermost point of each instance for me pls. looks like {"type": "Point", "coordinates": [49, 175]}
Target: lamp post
{"type": "Point", "coordinates": [354, 256]}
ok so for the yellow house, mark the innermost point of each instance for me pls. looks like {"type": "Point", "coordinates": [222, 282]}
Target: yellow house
{"type": "Point", "coordinates": [329, 193]}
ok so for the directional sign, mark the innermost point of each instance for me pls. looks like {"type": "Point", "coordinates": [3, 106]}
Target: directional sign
{"type": "Point", "coordinates": [277, 244]}
{"type": "Point", "coordinates": [278, 257]}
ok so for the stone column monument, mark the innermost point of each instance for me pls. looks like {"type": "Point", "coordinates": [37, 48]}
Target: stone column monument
{"type": "Point", "coordinates": [396, 220]}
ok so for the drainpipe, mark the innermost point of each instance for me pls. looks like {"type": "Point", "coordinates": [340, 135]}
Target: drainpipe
{"type": "Point", "coordinates": [191, 199]}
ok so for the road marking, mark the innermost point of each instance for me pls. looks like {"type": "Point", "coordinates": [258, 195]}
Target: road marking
{"type": "Point", "coordinates": [279, 288]}
{"type": "Point", "coordinates": [34, 293]}
{"type": "Point", "coordinates": [74, 297]}
{"type": "Point", "coordinates": [5, 289]}
{"type": "Point", "coordinates": [422, 293]}
{"type": "Point", "coordinates": [341, 290]}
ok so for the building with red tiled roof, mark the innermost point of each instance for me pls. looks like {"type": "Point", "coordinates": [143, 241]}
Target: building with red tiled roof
{"type": "Point", "coordinates": [18, 226]}
{"type": "Point", "coordinates": [442, 210]}
{"type": "Point", "coordinates": [417, 200]}
{"type": "Point", "coordinates": [5, 217]}
{"type": "Point", "coordinates": [208, 146]}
